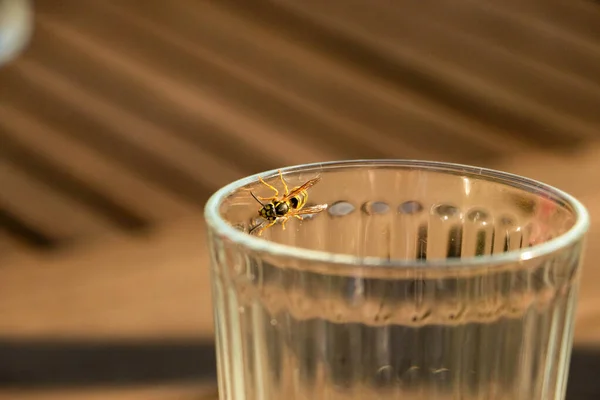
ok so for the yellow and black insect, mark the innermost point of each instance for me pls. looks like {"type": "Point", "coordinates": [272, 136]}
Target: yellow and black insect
{"type": "Point", "coordinates": [291, 204]}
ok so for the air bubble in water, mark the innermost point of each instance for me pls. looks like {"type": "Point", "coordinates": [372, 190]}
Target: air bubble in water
{"type": "Point", "coordinates": [340, 209]}
{"type": "Point", "coordinates": [477, 215]}
{"type": "Point", "coordinates": [446, 210]}
{"type": "Point", "coordinates": [507, 221]}
{"type": "Point", "coordinates": [410, 207]}
{"type": "Point", "coordinates": [375, 207]}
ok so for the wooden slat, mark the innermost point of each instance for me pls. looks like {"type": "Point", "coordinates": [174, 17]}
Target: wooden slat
{"type": "Point", "coordinates": [21, 231]}
{"type": "Point", "coordinates": [131, 128]}
{"type": "Point", "coordinates": [90, 74]}
{"type": "Point", "coordinates": [532, 78]}
{"type": "Point", "coordinates": [236, 87]}
{"type": "Point", "coordinates": [91, 166]}
{"type": "Point", "coordinates": [109, 151]}
{"type": "Point", "coordinates": [330, 86]}
{"type": "Point", "coordinates": [575, 21]}
{"type": "Point", "coordinates": [351, 38]}
{"type": "Point", "coordinates": [494, 24]}
{"type": "Point", "coordinates": [46, 209]}
{"type": "Point", "coordinates": [203, 104]}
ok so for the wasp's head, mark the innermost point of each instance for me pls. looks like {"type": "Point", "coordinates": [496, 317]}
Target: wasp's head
{"type": "Point", "coordinates": [268, 211]}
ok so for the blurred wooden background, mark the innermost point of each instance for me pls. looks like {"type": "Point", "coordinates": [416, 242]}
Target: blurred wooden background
{"type": "Point", "coordinates": [123, 116]}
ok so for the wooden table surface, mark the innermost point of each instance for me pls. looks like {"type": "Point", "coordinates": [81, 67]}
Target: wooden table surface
{"type": "Point", "coordinates": [122, 117]}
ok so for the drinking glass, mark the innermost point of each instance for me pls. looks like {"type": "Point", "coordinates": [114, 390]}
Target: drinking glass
{"type": "Point", "coordinates": [421, 280]}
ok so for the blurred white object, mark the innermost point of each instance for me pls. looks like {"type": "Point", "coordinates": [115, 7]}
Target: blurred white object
{"type": "Point", "coordinates": [16, 25]}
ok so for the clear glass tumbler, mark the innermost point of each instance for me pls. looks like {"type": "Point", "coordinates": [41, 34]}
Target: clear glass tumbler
{"type": "Point", "coordinates": [420, 280]}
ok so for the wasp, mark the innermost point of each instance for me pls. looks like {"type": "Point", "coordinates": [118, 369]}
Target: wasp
{"type": "Point", "coordinates": [291, 204]}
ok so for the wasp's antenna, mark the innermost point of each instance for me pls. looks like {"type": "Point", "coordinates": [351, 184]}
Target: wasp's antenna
{"type": "Point", "coordinates": [256, 198]}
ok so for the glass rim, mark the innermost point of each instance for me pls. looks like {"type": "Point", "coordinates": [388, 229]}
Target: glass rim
{"type": "Point", "coordinates": [222, 228]}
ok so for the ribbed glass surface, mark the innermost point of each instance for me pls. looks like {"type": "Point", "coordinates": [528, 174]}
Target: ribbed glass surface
{"type": "Point", "coordinates": [290, 328]}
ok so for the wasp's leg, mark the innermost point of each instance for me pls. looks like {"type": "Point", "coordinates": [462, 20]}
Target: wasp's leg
{"type": "Point", "coordinates": [273, 188]}
{"type": "Point", "coordinates": [283, 221]}
{"type": "Point", "coordinates": [300, 217]}
{"type": "Point", "coordinates": [285, 186]}
{"type": "Point", "coordinates": [260, 231]}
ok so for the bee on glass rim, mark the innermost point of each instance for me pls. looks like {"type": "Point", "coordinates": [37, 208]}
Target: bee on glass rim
{"type": "Point", "coordinates": [291, 204]}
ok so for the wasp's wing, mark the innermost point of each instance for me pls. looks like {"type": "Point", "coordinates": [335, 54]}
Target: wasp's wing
{"type": "Point", "coordinates": [257, 226]}
{"type": "Point", "coordinates": [307, 185]}
{"type": "Point", "coordinates": [309, 210]}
